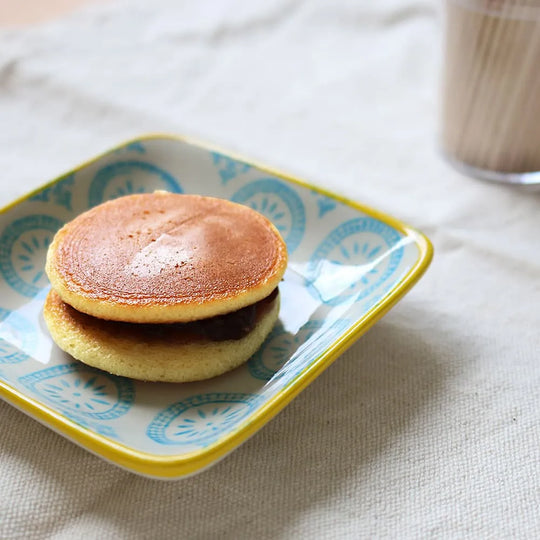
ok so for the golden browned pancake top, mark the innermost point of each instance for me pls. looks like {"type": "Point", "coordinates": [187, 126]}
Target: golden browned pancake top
{"type": "Point", "coordinates": [199, 256]}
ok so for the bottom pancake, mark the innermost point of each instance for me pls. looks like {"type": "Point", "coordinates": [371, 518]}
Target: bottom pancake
{"type": "Point", "coordinates": [152, 352]}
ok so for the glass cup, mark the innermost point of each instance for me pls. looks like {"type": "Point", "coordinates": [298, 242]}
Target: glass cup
{"type": "Point", "coordinates": [491, 89]}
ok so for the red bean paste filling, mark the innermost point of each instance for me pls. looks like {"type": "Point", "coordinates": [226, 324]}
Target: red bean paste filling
{"type": "Point", "coordinates": [235, 325]}
{"type": "Point", "coordinates": [231, 326]}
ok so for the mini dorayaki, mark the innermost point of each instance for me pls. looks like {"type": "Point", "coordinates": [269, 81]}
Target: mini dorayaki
{"type": "Point", "coordinates": [164, 287]}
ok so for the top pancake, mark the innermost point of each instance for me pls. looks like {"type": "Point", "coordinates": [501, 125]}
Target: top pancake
{"type": "Point", "coordinates": [164, 257]}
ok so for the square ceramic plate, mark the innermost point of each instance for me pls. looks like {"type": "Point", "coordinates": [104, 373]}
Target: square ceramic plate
{"type": "Point", "coordinates": [348, 265]}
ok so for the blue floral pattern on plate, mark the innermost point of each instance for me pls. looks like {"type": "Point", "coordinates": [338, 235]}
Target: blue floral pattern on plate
{"type": "Point", "coordinates": [358, 256]}
{"type": "Point", "coordinates": [82, 392]}
{"type": "Point", "coordinates": [280, 204]}
{"type": "Point", "coordinates": [18, 338]}
{"type": "Point", "coordinates": [129, 177]}
{"type": "Point", "coordinates": [136, 146]}
{"type": "Point", "coordinates": [201, 419]}
{"type": "Point", "coordinates": [281, 347]}
{"type": "Point", "coordinates": [228, 168]}
{"type": "Point", "coordinates": [59, 193]}
{"type": "Point", "coordinates": [23, 249]}
{"type": "Point", "coordinates": [324, 203]}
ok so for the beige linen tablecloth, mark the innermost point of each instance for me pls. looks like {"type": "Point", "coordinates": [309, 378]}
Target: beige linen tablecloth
{"type": "Point", "coordinates": [428, 427]}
